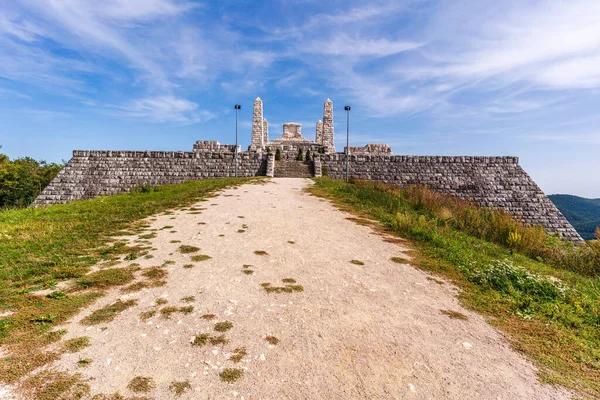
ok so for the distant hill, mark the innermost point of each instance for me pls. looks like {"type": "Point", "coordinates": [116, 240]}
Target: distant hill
{"type": "Point", "coordinates": [582, 213]}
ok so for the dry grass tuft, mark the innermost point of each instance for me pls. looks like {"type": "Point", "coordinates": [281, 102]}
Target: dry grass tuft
{"type": "Point", "coordinates": [454, 315]}
{"type": "Point", "coordinates": [238, 354]}
{"type": "Point", "coordinates": [186, 249]}
{"type": "Point", "coordinates": [261, 253]}
{"type": "Point", "coordinates": [201, 257]}
{"type": "Point", "coordinates": [179, 388]}
{"type": "Point", "coordinates": [357, 262]}
{"type": "Point", "coordinates": [141, 384]}
{"type": "Point", "coordinates": [272, 340]}
{"type": "Point", "coordinates": [209, 317]}
{"type": "Point", "coordinates": [76, 344]}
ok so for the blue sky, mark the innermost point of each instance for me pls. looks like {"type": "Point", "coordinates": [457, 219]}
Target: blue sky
{"type": "Point", "coordinates": [455, 77]}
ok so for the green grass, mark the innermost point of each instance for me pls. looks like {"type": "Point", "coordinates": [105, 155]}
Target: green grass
{"type": "Point", "coordinates": [186, 249]}
{"type": "Point", "coordinates": [549, 312]}
{"type": "Point", "coordinates": [77, 344]}
{"type": "Point", "coordinates": [41, 247]}
{"type": "Point", "coordinates": [108, 313]}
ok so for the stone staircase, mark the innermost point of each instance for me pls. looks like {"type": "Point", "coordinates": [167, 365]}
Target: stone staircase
{"type": "Point", "coordinates": [294, 169]}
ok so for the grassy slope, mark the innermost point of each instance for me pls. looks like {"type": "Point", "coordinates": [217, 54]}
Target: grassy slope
{"type": "Point", "coordinates": [582, 213]}
{"type": "Point", "coordinates": [558, 332]}
{"type": "Point", "coordinates": [41, 247]}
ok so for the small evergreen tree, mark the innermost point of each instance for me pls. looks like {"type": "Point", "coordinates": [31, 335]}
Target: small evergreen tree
{"type": "Point", "coordinates": [299, 157]}
{"type": "Point", "coordinates": [268, 149]}
{"type": "Point", "coordinates": [277, 155]}
{"type": "Point", "coordinates": [308, 155]}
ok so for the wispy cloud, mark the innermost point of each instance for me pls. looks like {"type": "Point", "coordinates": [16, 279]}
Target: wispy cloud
{"type": "Point", "coordinates": [165, 109]}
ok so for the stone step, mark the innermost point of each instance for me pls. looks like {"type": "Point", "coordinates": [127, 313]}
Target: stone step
{"type": "Point", "coordinates": [294, 169]}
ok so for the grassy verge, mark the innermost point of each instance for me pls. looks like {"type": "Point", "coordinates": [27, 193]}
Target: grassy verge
{"type": "Point", "coordinates": [549, 311]}
{"type": "Point", "coordinates": [41, 247]}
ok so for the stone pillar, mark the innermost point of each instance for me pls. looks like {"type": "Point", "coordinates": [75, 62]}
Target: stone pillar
{"type": "Point", "coordinates": [319, 133]}
{"type": "Point", "coordinates": [257, 126]}
{"type": "Point", "coordinates": [328, 126]}
{"type": "Point", "coordinates": [270, 164]}
{"type": "Point", "coordinates": [265, 132]}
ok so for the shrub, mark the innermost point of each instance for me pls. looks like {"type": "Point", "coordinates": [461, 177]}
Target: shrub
{"type": "Point", "coordinates": [268, 149]}
{"type": "Point", "coordinates": [277, 155]}
{"type": "Point", "coordinates": [324, 170]}
{"type": "Point", "coordinates": [299, 156]}
{"type": "Point", "coordinates": [308, 155]}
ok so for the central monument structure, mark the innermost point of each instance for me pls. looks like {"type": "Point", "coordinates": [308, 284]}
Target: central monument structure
{"type": "Point", "coordinates": [497, 182]}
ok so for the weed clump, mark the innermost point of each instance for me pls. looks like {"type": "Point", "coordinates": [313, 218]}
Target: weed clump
{"type": "Point", "coordinates": [261, 253]}
{"type": "Point", "coordinates": [201, 257]}
{"type": "Point", "coordinates": [200, 340]}
{"type": "Point", "coordinates": [223, 326]}
{"type": "Point", "coordinates": [399, 260]}
{"type": "Point", "coordinates": [357, 262]}
{"type": "Point", "coordinates": [84, 362]}
{"type": "Point", "coordinates": [231, 375]}
{"type": "Point", "coordinates": [146, 315]}
{"type": "Point", "coordinates": [166, 312]}
{"type": "Point", "coordinates": [209, 317]}
{"type": "Point", "coordinates": [185, 249]}
{"type": "Point", "coordinates": [188, 299]}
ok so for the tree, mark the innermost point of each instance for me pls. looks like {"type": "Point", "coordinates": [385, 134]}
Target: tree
{"type": "Point", "coordinates": [23, 179]}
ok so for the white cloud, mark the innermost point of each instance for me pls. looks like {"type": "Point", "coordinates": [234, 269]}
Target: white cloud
{"type": "Point", "coordinates": [165, 109]}
{"type": "Point", "coordinates": [344, 45]}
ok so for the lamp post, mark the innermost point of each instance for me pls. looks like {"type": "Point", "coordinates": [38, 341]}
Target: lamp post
{"type": "Point", "coordinates": [237, 107]}
{"type": "Point", "coordinates": [347, 108]}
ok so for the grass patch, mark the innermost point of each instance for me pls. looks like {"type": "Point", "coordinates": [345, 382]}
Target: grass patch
{"type": "Point", "coordinates": [289, 288]}
{"type": "Point", "coordinates": [188, 299]}
{"type": "Point", "coordinates": [201, 257]}
{"type": "Point", "coordinates": [77, 344]}
{"type": "Point", "coordinates": [223, 326]}
{"type": "Point", "coordinates": [238, 354]}
{"type": "Point", "coordinates": [106, 278]}
{"type": "Point", "coordinates": [272, 340]}
{"type": "Point", "coordinates": [52, 385]}
{"type": "Point", "coordinates": [188, 266]}
{"type": "Point", "coordinates": [241, 231]}
{"type": "Point", "coordinates": [288, 280]}
{"type": "Point", "coordinates": [155, 273]}
{"type": "Point", "coordinates": [167, 227]}
{"type": "Point", "coordinates": [201, 340]}
{"type": "Point", "coordinates": [209, 317]}
{"type": "Point", "coordinates": [146, 315]}
{"type": "Point", "coordinates": [148, 236]}
{"type": "Point", "coordinates": [399, 260]}
{"type": "Point", "coordinates": [231, 375]}
{"type": "Point", "coordinates": [220, 340]}
{"type": "Point", "coordinates": [186, 309]}
{"type": "Point", "coordinates": [541, 292]}
{"type": "Point", "coordinates": [161, 301]}
{"type": "Point", "coordinates": [175, 241]}
{"type": "Point", "coordinates": [454, 315]}
{"type": "Point", "coordinates": [261, 253]}
{"type": "Point", "coordinates": [84, 362]}
{"type": "Point", "coordinates": [248, 271]}
{"type": "Point", "coordinates": [108, 313]}
{"type": "Point", "coordinates": [357, 262]}
{"type": "Point", "coordinates": [186, 249]}
{"type": "Point", "coordinates": [180, 388]}
{"type": "Point", "coordinates": [141, 384]}
{"type": "Point", "coordinates": [166, 312]}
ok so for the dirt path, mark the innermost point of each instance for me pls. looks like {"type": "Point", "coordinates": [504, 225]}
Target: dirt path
{"type": "Point", "coordinates": [371, 331]}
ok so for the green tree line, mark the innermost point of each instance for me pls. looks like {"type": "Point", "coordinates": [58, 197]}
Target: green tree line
{"type": "Point", "coordinates": [23, 179]}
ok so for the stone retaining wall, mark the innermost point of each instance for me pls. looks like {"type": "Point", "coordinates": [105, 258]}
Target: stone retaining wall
{"type": "Point", "coordinates": [91, 174]}
{"type": "Point", "coordinates": [497, 182]}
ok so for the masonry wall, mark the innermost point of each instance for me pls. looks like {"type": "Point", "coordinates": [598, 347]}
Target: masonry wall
{"type": "Point", "coordinates": [498, 182]}
{"type": "Point", "coordinates": [99, 173]}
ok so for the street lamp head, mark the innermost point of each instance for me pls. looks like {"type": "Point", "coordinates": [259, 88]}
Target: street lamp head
{"type": "Point", "coordinates": [347, 108]}
{"type": "Point", "coordinates": [237, 106]}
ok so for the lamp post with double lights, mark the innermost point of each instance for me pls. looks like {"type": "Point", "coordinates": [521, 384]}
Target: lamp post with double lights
{"type": "Point", "coordinates": [347, 108]}
{"type": "Point", "coordinates": [237, 107]}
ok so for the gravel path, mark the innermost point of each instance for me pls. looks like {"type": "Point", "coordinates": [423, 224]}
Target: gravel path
{"type": "Point", "coordinates": [372, 331]}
